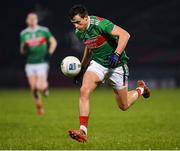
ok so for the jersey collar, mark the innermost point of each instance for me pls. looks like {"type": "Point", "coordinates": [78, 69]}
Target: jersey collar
{"type": "Point", "coordinates": [88, 23]}
{"type": "Point", "coordinates": [33, 29]}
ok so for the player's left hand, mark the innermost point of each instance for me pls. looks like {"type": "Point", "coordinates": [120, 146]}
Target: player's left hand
{"type": "Point", "coordinates": [78, 79]}
{"type": "Point", "coordinates": [48, 57]}
{"type": "Point", "coordinates": [113, 60]}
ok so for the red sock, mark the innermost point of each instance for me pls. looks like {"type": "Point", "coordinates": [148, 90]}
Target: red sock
{"type": "Point", "coordinates": [139, 92]}
{"type": "Point", "coordinates": [84, 120]}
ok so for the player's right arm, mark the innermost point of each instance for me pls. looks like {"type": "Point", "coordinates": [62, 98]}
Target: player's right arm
{"type": "Point", "coordinates": [86, 57]}
{"type": "Point", "coordinates": [22, 45]}
{"type": "Point", "coordinates": [22, 50]}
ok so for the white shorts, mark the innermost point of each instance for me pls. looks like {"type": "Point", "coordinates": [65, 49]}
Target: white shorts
{"type": "Point", "coordinates": [117, 77]}
{"type": "Point", "coordinates": [37, 69]}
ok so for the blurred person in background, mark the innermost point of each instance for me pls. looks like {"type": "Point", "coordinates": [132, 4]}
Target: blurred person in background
{"type": "Point", "coordinates": [106, 60]}
{"type": "Point", "coordinates": [38, 44]}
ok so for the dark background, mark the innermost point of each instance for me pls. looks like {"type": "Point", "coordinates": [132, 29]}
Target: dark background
{"type": "Point", "coordinates": [154, 26]}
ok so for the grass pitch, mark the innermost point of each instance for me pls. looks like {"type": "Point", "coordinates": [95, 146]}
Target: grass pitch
{"type": "Point", "coordinates": [152, 124]}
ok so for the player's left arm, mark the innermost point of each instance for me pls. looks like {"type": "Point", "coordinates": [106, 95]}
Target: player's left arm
{"type": "Point", "coordinates": [86, 57]}
{"type": "Point", "coordinates": [52, 45]}
{"type": "Point", "coordinates": [123, 38]}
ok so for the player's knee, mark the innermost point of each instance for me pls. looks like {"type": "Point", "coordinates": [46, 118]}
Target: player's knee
{"type": "Point", "coordinates": [40, 87]}
{"type": "Point", "coordinates": [84, 91]}
{"type": "Point", "coordinates": [123, 107]}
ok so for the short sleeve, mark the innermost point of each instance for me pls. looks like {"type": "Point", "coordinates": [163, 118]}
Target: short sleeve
{"type": "Point", "coordinates": [48, 34]}
{"type": "Point", "coordinates": [106, 26]}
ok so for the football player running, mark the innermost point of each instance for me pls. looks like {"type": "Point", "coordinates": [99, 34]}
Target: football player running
{"type": "Point", "coordinates": [38, 44]}
{"type": "Point", "coordinates": [105, 45]}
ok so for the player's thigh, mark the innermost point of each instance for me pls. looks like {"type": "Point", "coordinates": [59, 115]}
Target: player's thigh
{"type": "Point", "coordinates": [118, 78]}
{"type": "Point", "coordinates": [42, 75]}
{"type": "Point", "coordinates": [41, 80]}
{"type": "Point", "coordinates": [32, 80]}
{"type": "Point", "coordinates": [119, 82]}
{"type": "Point", "coordinates": [90, 82]}
{"type": "Point", "coordinates": [93, 76]}
{"type": "Point", "coordinates": [98, 70]}
{"type": "Point", "coordinates": [31, 75]}
{"type": "Point", "coordinates": [42, 70]}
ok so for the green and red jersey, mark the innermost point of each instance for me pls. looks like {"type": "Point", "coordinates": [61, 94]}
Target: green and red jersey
{"type": "Point", "coordinates": [97, 37]}
{"type": "Point", "coordinates": [35, 42]}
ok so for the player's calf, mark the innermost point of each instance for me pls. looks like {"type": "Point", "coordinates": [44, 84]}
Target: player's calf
{"type": "Point", "coordinates": [35, 94]}
{"type": "Point", "coordinates": [46, 92]}
{"type": "Point", "coordinates": [122, 106]}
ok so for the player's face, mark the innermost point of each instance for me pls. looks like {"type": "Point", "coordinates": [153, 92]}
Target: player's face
{"type": "Point", "coordinates": [32, 20]}
{"type": "Point", "coordinates": [79, 22]}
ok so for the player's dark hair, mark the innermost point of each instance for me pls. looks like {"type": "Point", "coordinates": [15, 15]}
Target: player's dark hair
{"type": "Point", "coordinates": [33, 12]}
{"type": "Point", "coordinates": [78, 9]}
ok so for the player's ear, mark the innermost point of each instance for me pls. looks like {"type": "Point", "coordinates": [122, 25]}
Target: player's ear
{"type": "Point", "coordinates": [86, 17]}
{"type": "Point", "coordinates": [26, 21]}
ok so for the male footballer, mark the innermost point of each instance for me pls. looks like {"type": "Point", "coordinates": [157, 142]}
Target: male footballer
{"type": "Point", "coordinates": [105, 45]}
{"type": "Point", "coordinates": [38, 44]}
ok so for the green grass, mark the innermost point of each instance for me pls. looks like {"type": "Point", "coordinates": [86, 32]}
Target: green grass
{"type": "Point", "coordinates": [153, 124]}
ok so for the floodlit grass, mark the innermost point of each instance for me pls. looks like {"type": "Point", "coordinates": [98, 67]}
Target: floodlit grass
{"type": "Point", "coordinates": [152, 124]}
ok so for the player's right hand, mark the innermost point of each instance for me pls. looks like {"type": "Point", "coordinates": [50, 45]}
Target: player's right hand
{"type": "Point", "coordinates": [48, 57]}
{"type": "Point", "coordinates": [113, 60]}
{"type": "Point", "coordinates": [78, 79]}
